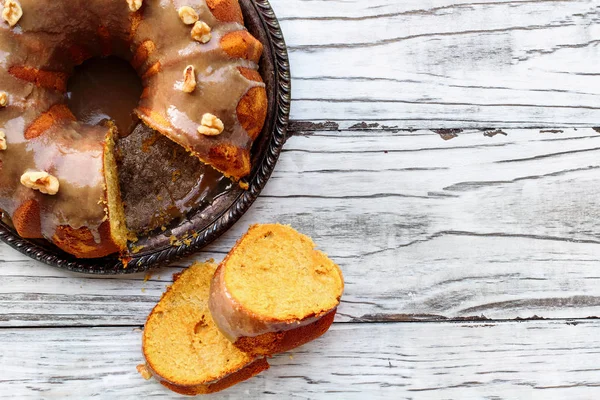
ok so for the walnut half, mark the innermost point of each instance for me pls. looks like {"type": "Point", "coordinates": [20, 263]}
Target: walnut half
{"type": "Point", "coordinates": [188, 15]}
{"type": "Point", "coordinates": [3, 99]}
{"type": "Point", "coordinates": [40, 180]}
{"type": "Point", "coordinates": [2, 140]}
{"type": "Point", "coordinates": [189, 79]}
{"type": "Point", "coordinates": [12, 12]}
{"type": "Point", "coordinates": [211, 125]}
{"type": "Point", "coordinates": [201, 32]}
{"type": "Point", "coordinates": [134, 5]}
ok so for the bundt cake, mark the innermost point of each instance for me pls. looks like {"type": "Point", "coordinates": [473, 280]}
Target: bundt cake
{"type": "Point", "coordinates": [202, 90]}
{"type": "Point", "coordinates": [274, 291]}
{"type": "Point", "coordinates": [183, 348]}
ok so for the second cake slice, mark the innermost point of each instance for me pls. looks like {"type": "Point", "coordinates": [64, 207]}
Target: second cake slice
{"type": "Point", "coordinates": [274, 291]}
{"type": "Point", "coordinates": [183, 348]}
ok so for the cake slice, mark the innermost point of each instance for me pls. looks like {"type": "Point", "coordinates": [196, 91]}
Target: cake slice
{"type": "Point", "coordinates": [183, 348]}
{"type": "Point", "coordinates": [274, 291]}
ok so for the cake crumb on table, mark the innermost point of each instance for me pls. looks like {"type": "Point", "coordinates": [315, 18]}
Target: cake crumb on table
{"type": "Point", "coordinates": [136, 249]}
{"type": "Point", "coordinates": [144, 371]}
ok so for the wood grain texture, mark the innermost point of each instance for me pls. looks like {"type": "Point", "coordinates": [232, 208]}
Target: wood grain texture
{"type": "Point", "coordinates": [498, 226]}
{"type": "Point", "coordinates": [352, 361]}
{"type": "Point", "coordinates": [490, 224]}
{"type": "Point", "coordinates": [445, 63]}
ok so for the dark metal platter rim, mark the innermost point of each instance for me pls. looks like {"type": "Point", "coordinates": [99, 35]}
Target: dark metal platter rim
{"type": "Point", "coordinates": [280, 116]}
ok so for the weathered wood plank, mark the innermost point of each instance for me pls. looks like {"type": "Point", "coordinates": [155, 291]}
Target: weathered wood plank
{"type": "Point", "coordinates": [501, 226]}
{"type": "Point", "coordinates": [445, 63]}
{"type": "Point", "coordinates": [427, 360]}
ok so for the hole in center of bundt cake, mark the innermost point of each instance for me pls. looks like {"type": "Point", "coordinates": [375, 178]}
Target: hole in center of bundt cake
{"type": "Point", "coordinates": [105, 88]}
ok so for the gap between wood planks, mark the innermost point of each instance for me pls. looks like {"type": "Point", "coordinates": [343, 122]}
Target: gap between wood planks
{"type": "Point", "coordinates": [398, 320]}
{"type": "Point", "coordinates": [305, 128]}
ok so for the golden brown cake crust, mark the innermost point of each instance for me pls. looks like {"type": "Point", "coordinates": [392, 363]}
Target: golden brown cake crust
{"type": "Point", "coordinates": [225, 157]}
{"type": "Point", "coordinates": [81, 242]}
{"type": "Point", "coordinates": [56, 114]}
{"type": "Point", "coordinates": [241, 44]}
{"type": "Point", "coordinates": [282, 341]}
{"type": "Point", "coordinates": [142, 53]}
{"type": "Point", "coordinates": [26, 220]}
{"type": "Point", "coordinates": [252, 108]}
{"type": "Point", "coordinates": [226, 10]}
{"type": "Point", "coordinates": [46, 79]}
{"type": "Point", "coordinates": [252, 369]}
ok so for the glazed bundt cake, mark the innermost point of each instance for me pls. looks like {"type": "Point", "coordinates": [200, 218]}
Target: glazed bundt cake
{"type": "Point", "coordinates": [274, 291]}
{"type": "Point", "coordinates": [183, 348]}
{"type": "Point", "coordinates": [202, 90]}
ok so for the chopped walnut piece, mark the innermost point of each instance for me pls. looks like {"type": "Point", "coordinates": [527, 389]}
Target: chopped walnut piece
{"type": "Point", "coordinates": [3, 99]}
{"type": "Point", "coordinates": [211, 125]}
{"type": "Point", "coordinates": [40, 180]}
{"type": "Point", "coordinates": [189, 79]}
{"type": "Point", "coordinates": [188, 15]}
{"type": "Point", "coordinates": [201, 32]}
{"type": "Point", "coordinates": [134, 5]}
{"type": "Point", "coordinates": [2, 140]}
{"type": "Point", "coordinates": [12, 12]}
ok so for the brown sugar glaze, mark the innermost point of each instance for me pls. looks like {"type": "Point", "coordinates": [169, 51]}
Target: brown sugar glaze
{"type": "Point", "coordinates": [55, 36]}
{"type": "Point", "coordinates": [164, 106]}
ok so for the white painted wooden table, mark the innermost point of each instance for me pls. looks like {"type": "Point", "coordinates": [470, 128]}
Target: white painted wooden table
{"type": "Point", "coordinates": [443, 153]}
